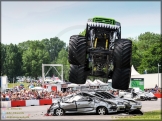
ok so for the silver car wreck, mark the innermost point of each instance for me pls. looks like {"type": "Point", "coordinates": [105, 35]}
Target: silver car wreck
{"type": "Point", "coordinates": [130, 104]}
{"type": "Point", "coordinates": [137, 94]}
{"type": "Point", "coordinates": [82, 104]}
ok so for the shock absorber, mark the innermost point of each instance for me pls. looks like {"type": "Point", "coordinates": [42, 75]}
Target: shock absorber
{"type": "Point", "coordinates": [106, 45]}
{"type": "Point", "coordinates": [95, 43]}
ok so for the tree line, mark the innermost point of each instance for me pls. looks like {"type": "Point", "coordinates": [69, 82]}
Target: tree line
{"type": "Point", "coordinates": [26, 58]}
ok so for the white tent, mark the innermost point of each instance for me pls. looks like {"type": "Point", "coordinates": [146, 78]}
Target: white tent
{"type": "Point", "coordinates": [133, 71]}
{"type": "Point", "coordinates": [37, 88]}
{"type": "Point", "coordinates": [89, 82]}
{"type": "Point", "coordinates": [72, 85]}
{"type": "Point", "coordinates": [98, 82]}
{"type": "Point", "coordinates": [48, 80]}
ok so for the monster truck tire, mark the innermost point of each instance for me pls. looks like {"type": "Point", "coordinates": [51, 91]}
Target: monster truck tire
{"type": "Point", "coordinates": [121, 78]}
{"type": "Point", "coordinates": [77, 50]}
{"type": "Point", "coordinates": [77, 74]}
{"type": "Point", "coordinates": [122, 53]}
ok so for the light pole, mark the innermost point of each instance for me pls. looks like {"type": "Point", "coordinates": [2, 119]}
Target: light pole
{"type": "Point", "coordinates": [158, 74]}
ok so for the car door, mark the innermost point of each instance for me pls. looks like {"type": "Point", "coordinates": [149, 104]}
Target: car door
{"type": "Point", "coordinates": [69, 104]}
{"type": "Point", "coordinates": [85, 104]}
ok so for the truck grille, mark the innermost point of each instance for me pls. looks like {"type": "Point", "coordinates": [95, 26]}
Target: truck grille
{"type": "Point", "coordinates": [104, 20]}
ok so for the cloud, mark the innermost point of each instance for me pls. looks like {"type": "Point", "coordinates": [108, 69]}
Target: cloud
{"type": "Point", "coordinates": [23, 21]}
{"type": "Point", "coordinates": [22, 9]}
{"type": "Point", "coordinates": [140, 20]}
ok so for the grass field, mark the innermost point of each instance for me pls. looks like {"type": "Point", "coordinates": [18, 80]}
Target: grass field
{"type": "Point", "coordinates": [151, 115]}
{"type": "Point", "coordinates": [11, 85]}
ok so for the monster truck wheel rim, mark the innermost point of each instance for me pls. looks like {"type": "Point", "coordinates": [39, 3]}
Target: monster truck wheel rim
{"type": "Point", "coordinates": [59, 112]}
{"type": "Point", "coordinates": [101, 111]}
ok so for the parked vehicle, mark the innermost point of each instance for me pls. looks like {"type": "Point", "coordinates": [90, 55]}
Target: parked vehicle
{"type": "Point", "coordinates": [130, 104]}
{"type": "Point", "coordinates": [82, 104]}
{"type": "Point", "coordinates": [137, 94]}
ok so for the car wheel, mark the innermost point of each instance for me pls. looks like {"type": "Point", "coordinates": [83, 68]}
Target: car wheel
{"type": "Point", "coordinates": [59, 112]}
{"type": "Point", "coordinates": [77, 50]}
{"type": "Point", "coordinates": [101, 111]}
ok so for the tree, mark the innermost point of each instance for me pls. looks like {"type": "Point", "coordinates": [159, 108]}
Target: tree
{"type": "Point", "coordinates": [12, 63]}
{"type": "Point", "coordinates": [136, 58]}
{"type": "Point", "coordinates": [83, 33]}
{"type": "Point", "coordinates": [53, 46]}
{"type": "Point", "coordinates": [33, 58]}
{"type": "Point", "coordinates": [151, 58]}
{"type": "Point", "coordinates": [63, 59]}
{"type": "Point", "coordinates": [3, 56]}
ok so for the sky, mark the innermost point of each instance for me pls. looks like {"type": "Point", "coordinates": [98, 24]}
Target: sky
{"type": "Point", "coordinates": [22, 21]}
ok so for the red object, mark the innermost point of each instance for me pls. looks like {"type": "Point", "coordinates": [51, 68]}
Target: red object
{"type": "Point", "coordinates": [54, 88]}
{"type": "Point", "coordinates": [44, 86]}
{"type": "Point", "coordinates": [158, 95]}
{"type": "Point", "coordinates": [18, 103]}
{"type": "Point", "coordinates": [45, 101]}
{"type": "Point", "coordinates": [47, 114]}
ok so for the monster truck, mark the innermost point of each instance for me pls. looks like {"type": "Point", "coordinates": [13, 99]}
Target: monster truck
{"type": "Point", "coordinates": [100, 53]}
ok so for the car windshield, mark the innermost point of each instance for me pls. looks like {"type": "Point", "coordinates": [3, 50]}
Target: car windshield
{"type": "Point", "coordinates": [106, 95]}
{"type": "Point", "coordinates": [75, 98]}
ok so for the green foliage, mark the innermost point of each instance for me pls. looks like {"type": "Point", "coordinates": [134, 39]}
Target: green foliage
{"type": "Point", "coordinates": [33, 58]}
{"type": "Point", "coordinates": [62, 59]}
{"type": "Point", "coordinates": [83, 33]}
{"type": "Point", "coordinates": [147, 116]}
{"type": "Point", "coordinates": [3, 56]}
{"type": "Point", "coordinates": [27, 58]}
{"type": "Point", "coordinates": [53, 46]}
{"type": "Point", "coordinates": [12, 63]}
{"type": "Point", "coordinates": [149, 52]}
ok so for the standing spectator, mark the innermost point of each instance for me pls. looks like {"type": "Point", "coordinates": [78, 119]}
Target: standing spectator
{"type": "Point", "coordinates": [156, 87]}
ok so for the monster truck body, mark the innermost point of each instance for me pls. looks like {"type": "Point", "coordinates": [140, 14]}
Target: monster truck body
{"type": "Point", "coordinates": [100, 53]}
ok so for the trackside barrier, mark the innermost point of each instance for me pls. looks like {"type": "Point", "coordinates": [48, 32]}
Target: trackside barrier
{"type": "Point", "coordinates": [32, 102]}
{"type": "Point", "coordinates": [25, 103]}
{"type": "Point", "coordinates": [18, 103]}
{"type": "Point", "coordinates": [45, 101]}
{"type": "Point", "coordinates": [5, 104]}
{"type": "Point", "coordinates": [54, 100]}
{"type": "Point", "coordinates": [158, 95]}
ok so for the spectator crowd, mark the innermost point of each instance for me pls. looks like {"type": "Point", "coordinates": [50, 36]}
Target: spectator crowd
{"type": "Point", "coordinates": [21, 93]}
{"type": "Point", "coordinates": [33, 95]}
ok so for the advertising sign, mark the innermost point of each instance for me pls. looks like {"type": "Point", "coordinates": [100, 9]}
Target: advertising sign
{"type": "Point", "coordinates": [137, 82]}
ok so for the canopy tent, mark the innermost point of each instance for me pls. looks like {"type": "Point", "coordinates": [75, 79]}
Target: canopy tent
{"type": "Point", "coordinates": [98, 82]}
{"type": "Point", "coordinates": [58, 81]}
{"type": "Point", "coordinates": [37, 88]}
{"type": "Point", "coordinates": [90, 83]}
{"type": "Point", "coordinates": [31, 86]}
{"type": "Point", "coordinates": [48, 80]}
{"type": "Point", "coordinates": [72, 85]}
{"type": "Point", "coordinates": [133, 71]}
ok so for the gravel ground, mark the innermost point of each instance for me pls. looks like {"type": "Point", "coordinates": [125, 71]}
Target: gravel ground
{"type": "Point", "coordinates": [37, 113]}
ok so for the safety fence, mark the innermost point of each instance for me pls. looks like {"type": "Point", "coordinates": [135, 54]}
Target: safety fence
{"type": "Point", "coordinates": [25, 103]}
{"type": "Point", "coordinates": [158, 95]}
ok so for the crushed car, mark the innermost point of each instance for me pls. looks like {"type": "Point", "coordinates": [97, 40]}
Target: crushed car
{"type": "Point", "coordinates": [130, 104]}
{"type": "Point", "coordinates": [137, 94]}
{"type": "Point", "coordinates": [82, 104]}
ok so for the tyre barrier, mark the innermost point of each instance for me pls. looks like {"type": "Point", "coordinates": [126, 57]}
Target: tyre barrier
{"type": "Point", "coordinates": [158, 95]}
{"type": "Point", "coordinates": [26, 103]}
